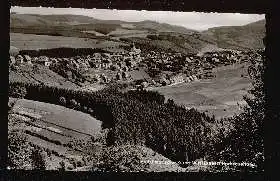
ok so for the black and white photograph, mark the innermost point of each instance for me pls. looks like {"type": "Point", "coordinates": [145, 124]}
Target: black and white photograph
{"type": "Point", "coordinates": [135, 90]}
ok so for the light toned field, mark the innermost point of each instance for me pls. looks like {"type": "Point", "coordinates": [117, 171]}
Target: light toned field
{"type": "Point", "coordinates": [32, 42]}
{"type": "Point", "coordinates": [138, 74]}
{"type": "Point", "coordinates": [39, 74]}
{"type": "Point", "coordinates": [95, 33]}
{"type": "Point", "coordinates": [127, 25]}
{"type": "Point", "coordinates": [60, 117]}
{"type": "Point", "coordinates": [120, 31]}
{"type": "Point", "coordinates": [218, 96]}
{"type": "Point", "coordinates": [109, 44]}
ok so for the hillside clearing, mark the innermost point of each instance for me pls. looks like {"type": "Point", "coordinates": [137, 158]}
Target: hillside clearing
{"type": "Point", "coordinates": [218, 96]}
{"type": "Point", "coordinates": [33, 42]}
{"type": "Point", "coordinates": [61, 116]}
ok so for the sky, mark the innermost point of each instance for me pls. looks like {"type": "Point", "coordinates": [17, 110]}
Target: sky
{"type": "Point", "coordinates": [193, 20]}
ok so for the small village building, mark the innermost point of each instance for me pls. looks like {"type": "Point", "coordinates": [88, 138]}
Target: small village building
{"type": "Point", "coordinates": [93, 77]}
{"type": "Point", "coordinates": [145, 84]}
{"type": "Point", "coordinates": [27, 59]}
{"type": "Point", "coordinates": [188, 60]}
{"type": "Point", "coordinates": [83, 66]}
{"type": "Point", "coordinates": [125, 69]}
{"type": "Point", "coordinates": [134, 51]}
{"type": "Point", "coordinates": [47, 64]}
{"type": "Point", "coordinates": [195, 78]}
{"type": "Point", "coordinates": [153, 82]}
{"type": "Point", "coordinates": [118, 76]}
{"type": "Point", "coordinates": [12, 60]}
{"type": "Point", "coordinates": [43, 60]}
{"type": "Point", "coordinates": [216, 60]}
{"type": "Point", "coordinates": [104, 78]}
{"type": "Point", "coordinates": [76, 65]}
{"type": "Point", "coordinates": [191, 78]}
{"type": "Point", "coordinates": [124, 75]}
{"type": "Point", "coordinates": [177, 79]}
{"type": "Point", "coordinates": [187, 79]}
{"type": "Point", "coordinates": [19, 59]}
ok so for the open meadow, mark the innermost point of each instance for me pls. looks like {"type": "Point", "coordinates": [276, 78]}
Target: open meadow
{"type": "Point", "coordinates": [218, 96]}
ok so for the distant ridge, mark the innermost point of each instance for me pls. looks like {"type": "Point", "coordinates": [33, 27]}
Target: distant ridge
{"type": "Point", "coordinates": [239, 37]}
{"type": "Point", "coordinates": [167, 37]}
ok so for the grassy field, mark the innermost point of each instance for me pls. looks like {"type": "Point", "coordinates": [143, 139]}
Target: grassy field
{"type": "Point", "coordinates": [51, 127]}
{"type": "Point", "coordinates": [39, 74]}
{"type": "Point", "coordinates": [61, 116]}
{"type": "Point", "coordinates": [31, 41]}
{"type": "Point", "coordinates": [218, 96]}
{"type": "Point", "coordinates": [123, 32]}
{"type": "Point", "coordinates": [34, 42]}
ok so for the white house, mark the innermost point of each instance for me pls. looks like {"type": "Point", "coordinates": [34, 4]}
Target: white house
{"type": "Point", "coordinates": [44, 61]}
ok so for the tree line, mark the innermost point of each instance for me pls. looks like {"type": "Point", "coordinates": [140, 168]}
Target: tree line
{"type": "Point", "coordinates": [62, 52]}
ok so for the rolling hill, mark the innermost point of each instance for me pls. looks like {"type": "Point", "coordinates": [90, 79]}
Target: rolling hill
{"type": "Point", "coordinates": [27, 20]}
{"type": "Point", "coordinates": [168, 37]}
{"type": "Point", "coordinates": [239, 37]}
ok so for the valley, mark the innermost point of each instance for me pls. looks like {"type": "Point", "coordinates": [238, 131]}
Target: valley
{"type": "Point", "coordinates": [109, 95]}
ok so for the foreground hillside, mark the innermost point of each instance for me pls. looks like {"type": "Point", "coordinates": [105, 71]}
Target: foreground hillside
{"type": "Point", "coordinates": [76, 140]}
{"type": "Point", "coordinates": [121, 143]}
{"type": "Point", "coordinates": [54, 129]}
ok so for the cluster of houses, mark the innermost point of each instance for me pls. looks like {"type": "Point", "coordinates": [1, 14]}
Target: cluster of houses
{"type": "Point", "coordinates": [191, 67]}
{"type": "Point", "coordinates": [195, 67]}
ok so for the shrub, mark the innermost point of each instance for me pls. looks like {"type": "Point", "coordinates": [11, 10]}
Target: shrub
{"type": "Point", "coordinates": [18, 150]}
{"type": "Point", "coordinates": [49, 153]}
{"type": "Point", "coordinates": [38, 161]}
{"type": "Point", "coordinates": [62, 166]}
{"type": "Point", "coordinates": [73, 103]}
{"type": "Point", "coordinates": [121, 158]}
{"type": "Point", "coordinates": [73, 162]}
{"type": "Point", "coordinates": [79, 164]}
{"type": "Point", "coordinates": [62, 101]}
{"type": "Point", "coordinates": [17, 91]}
